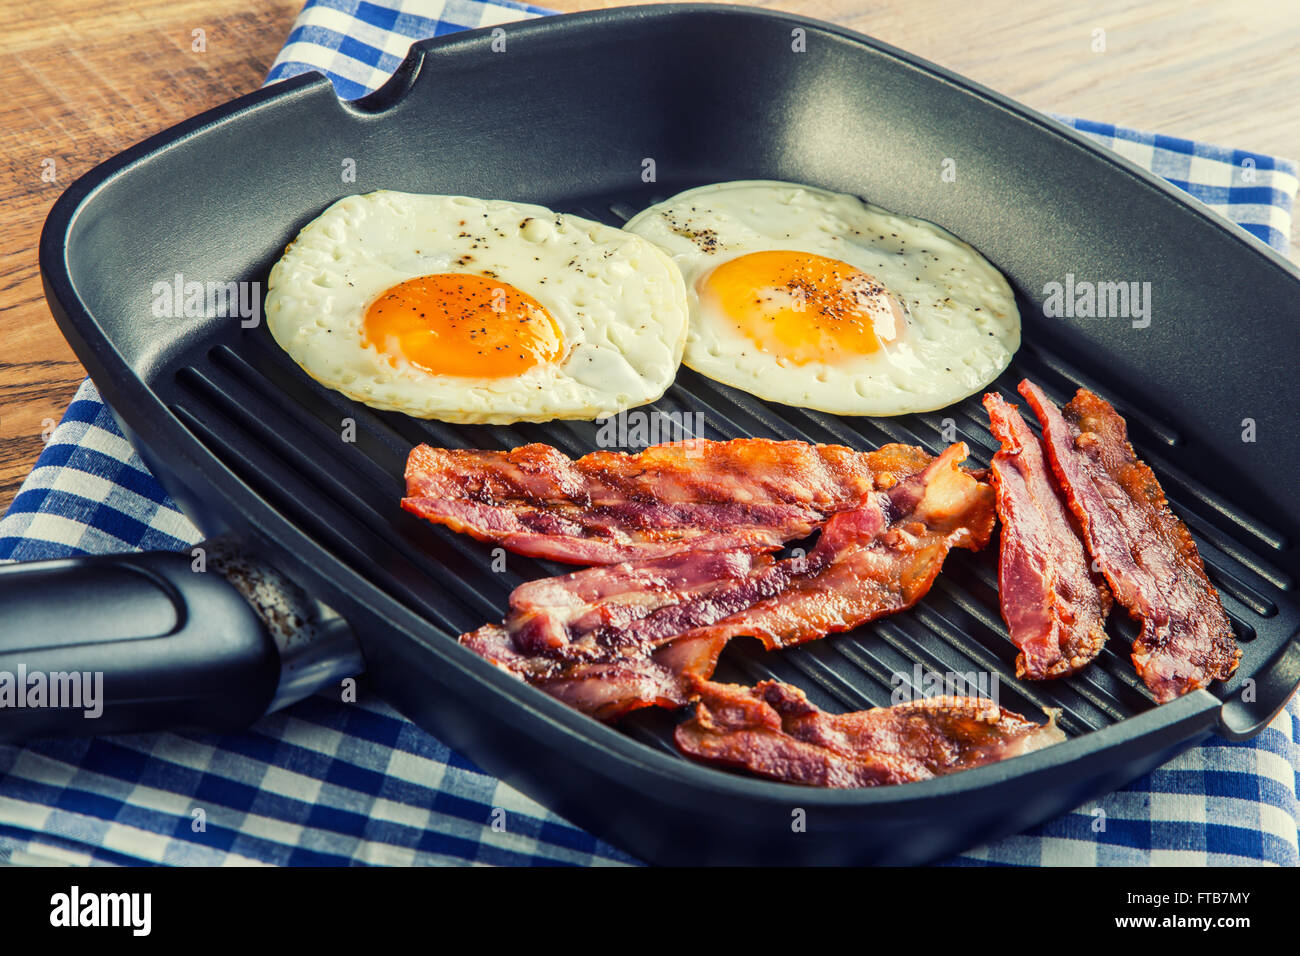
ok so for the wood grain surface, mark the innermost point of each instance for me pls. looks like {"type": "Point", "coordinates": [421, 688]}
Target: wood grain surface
{"type": "Point", "coordinates": [83, 81]}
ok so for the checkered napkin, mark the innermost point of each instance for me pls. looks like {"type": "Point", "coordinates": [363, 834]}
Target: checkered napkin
{"type": "Point", "coordinates": [327, 782]}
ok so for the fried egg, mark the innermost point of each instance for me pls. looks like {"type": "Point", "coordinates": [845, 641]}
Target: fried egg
{"type": "Point", "coordinates": [477, 311]}
{"type": "Point", "coordinates": [819, 299]}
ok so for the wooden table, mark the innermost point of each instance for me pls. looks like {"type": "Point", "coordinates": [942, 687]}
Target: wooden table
{"type": "Point", "coordinates": [80, 85]}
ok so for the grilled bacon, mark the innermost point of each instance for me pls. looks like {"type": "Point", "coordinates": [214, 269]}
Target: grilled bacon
{"type": "Point", "coordinates": [1145, 552]}
{"type": "Point", "coordinates": [608, 507]}
{"type": "Point", "coordinates": [1054, 605]}
{"type": "Point", "coordinates": [772, 730]}
{"type": "Point", "coordinates": [612, 639]}
{"type": "Point", "coordinates": [595, 640]}
{"type": "Point", "coordinates": [874, 561]}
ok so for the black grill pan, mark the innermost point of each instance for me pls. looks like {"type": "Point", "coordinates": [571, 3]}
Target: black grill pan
{"type": "Point", "coordinates": [565, 116]}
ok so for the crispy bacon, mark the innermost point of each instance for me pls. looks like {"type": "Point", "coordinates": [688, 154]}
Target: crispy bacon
{"type": "Point", "coordinates": [608, 507]}
{"type": "Point", "coordinates": [772, 730]}
{"type": "Point", "coordinates": [1143, 549]}
{"type": "Point", "coordinates": [592, 638]}
{"type": "Point", "coordinates": [874, 561]}
{"type": "Point", "coordinates": [613, 639]}
{"type": "Point", "coordinates": [1054, 605]}
{"type": "Point", "coordinates": [608, 685]}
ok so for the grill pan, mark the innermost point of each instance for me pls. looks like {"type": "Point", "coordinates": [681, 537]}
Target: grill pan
{"type": "Point", "coordinates": [250, 447]}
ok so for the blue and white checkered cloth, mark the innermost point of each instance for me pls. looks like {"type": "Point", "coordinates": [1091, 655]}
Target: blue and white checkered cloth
{"type": "Point", "coordinates": [326, 782]}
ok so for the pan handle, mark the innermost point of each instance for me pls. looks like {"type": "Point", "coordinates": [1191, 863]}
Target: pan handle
{"type": "Point", "coordinates": [1244, 715]}
{"type": "Point", "coordinates": [123, 643]}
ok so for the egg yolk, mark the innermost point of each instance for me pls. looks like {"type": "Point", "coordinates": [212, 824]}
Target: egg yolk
{"type": "Point", "coordinates": [804, 307]}
{"type": "Point", "coordinates": [459, 324]}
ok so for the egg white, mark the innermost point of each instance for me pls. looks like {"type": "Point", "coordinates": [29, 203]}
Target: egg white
{"type": "Point", "coordinates": [618, 300]}
{"type": "Point", "coordinates": [962, 324]}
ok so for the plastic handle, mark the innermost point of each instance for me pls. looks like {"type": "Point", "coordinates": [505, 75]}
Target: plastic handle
{"type": "Point", "coordinates": [120, 643]}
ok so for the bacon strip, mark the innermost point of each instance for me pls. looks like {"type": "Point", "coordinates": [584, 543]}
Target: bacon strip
{"type": "Point", "coordinates": [612, 639]}
{"type": "Point", "coordinates": [1143, 549]}
{"type": "Point", "coordinates": [877, 560]}
{"type": "Point", "coordinates": [593, 638]}
{"type": "Point", "coordinates": [608, 507]}
{"type": "Point", "coordinates": [1054, 606]}
{"type": "Point", "coordinates": [772, 730]}
{"type": "Point", "coordinates": [610, 685]}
